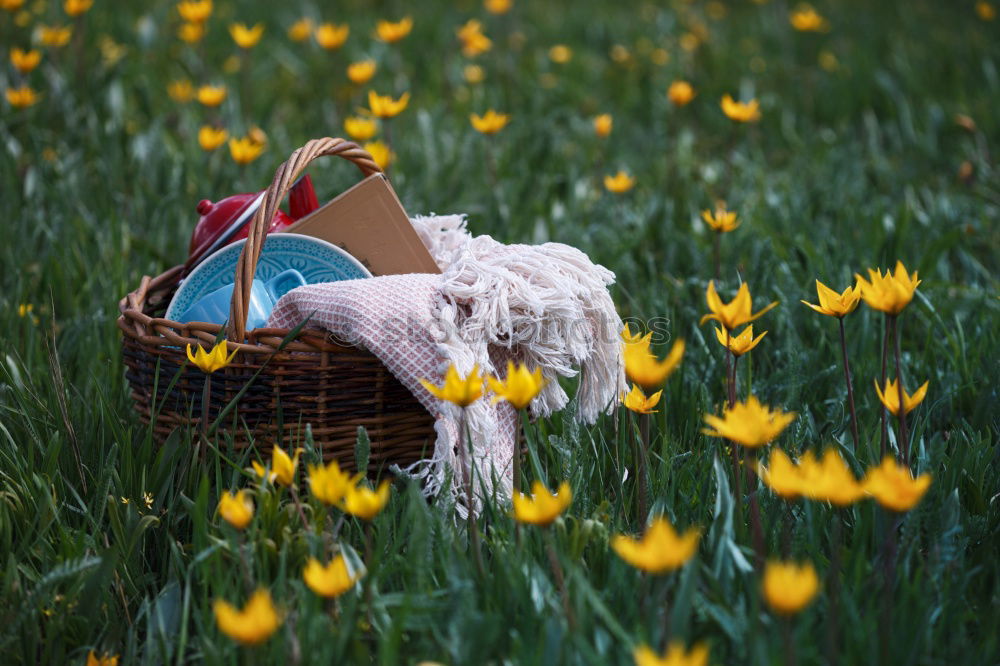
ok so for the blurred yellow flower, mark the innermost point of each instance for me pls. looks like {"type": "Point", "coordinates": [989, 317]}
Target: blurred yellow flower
{"type": "Point", "coordinates": [660, 549]}
{"type": "Point", "coordinates": [689, 41]}
{"type": "Point", "coordinates": [262, 472]}
{"type": "Point", "coordinates": [828, 61]}
{"type": "Point", "coordinates": [748, 423]}
{"type": "Point", "coordinates": [641, 365]}
{"type": "Point", "coordinates": [11, 5]}
{"type": "Point", "coordinates": [498, 6]}
{"type": "Point", "coordinates": [833, 304]}
{"type": "Point", "coordinates": [246, 38]}
{"type": "Point", "coordinates": [232, 64]}
{"type": "Point", "coordinates": [300, 30]}
{"type": "Point", "coordinates": [210, 138]}
{"type": "Point", "coordinates": [890, 396]}
{"type": "Point", "coordinates": [739, 344]}
{"type": "Point", "coordinates": [245, 150]}
{"type": "Point", "coordinates": [542, 507]}
{"type": "Point", "coordinates": [789, 587]}
{"type": "Point", "coordinates": [456, 389]}
{"type": "Point", "coordinates": [737, 312]}
{"type": "Point", "coordinates": [603, 124]}
{"type": "Point", "coordinates": [104, 660]}
{"type": "Point", "coordinates": [211, 95]}
{"type": "Point", "coordinates": [331, 36]}
{"type": "Point", "coordinates": [21, 98]}
{"type": "Point", "coordinates": [636, 400]}
{"type": "Point", "coordinates": [180, 91]}
{"type": "Point", "coordinates": [721, 221]}
{"type": "Point", "coordinates": [829, 479]}
{"type": "Point", "coordinates": [237, 510]}
{"type": "Point", "coordinates": [360, 129]}
{"type": "Point", "coordinates": [620, 54]}
{"type": "Point", "coordinates": [560, 54]}
{"type": "Point", "coordinates": [893, 486]}
{"type": "Point", "coordinates": [889, 293]}
{"type": "Point", "coordinates": [195, 11]}
{"type": "Point", "coordinates": [619, 183]}
{"type": "Point", "coordinates": [283, 466]}
{"type": "Point", "coordinates": [54, 35]}
{"type": "Point", "coordinates": [192, 33]}
{"type": "Point", "coordinates": [384, 106]}
{"type": "Point", "coordinates": [365, 503]}
{"type": "Point", "coordinates": [473, 74]}
{"type": "Point", "coordinates": [782, 475]}
{"type": "Point", "coordinates": [390, 32]}
{"type": "Point", "coordinates": [741, 112]}
{"type": "Point", "coordinates": [209, 362]}
{"type": "Point", "coordinates": [659, 56]}
{"type": "Point", "coordinates": [680, 93]}
{"type": "Point", "coordinates": [331, 580]}
{"type": "Point", "coordinates": [361, 73]}
{"type": "Point", "coordinates": [252, 625]}
{"type": "Point", "coordinates": [381, 153]}
{"type": "Point", "coordinates": [77, 7]}
{"type": "Point", "coordinates": [806, 19]}
{"type": "Point", "coordinates": [329, 484]}
{"type": "Point", "coordinates": [519, 387]}
{"type": "Point", "coordinates": [675, 655]}
{"type": "Point", "coordinates": [474, 42]}
{"type": "Point", "coordinates": [985, 10]}
{"type": "Point", "coordinates": [490, 122]}
{"type": "Point", "coordinates": [111, 51]}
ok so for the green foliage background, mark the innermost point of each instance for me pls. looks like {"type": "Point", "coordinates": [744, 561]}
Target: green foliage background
{"type": "Point", "coordinates": [849, 167]}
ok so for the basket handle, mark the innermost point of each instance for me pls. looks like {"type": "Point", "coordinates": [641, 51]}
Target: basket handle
{"type": "Point", "coordinates": [284, 177]}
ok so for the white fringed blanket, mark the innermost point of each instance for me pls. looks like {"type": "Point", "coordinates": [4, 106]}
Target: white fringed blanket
{"type": "Point", "coordinates": [547, 306]}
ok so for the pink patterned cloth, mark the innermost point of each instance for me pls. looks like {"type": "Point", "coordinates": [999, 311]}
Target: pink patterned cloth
{"type": "Point", "coordinates": [546, 306]}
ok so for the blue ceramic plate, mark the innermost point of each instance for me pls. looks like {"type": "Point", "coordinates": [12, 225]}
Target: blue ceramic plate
{"type": "Point", "coordinates": [317, 260]}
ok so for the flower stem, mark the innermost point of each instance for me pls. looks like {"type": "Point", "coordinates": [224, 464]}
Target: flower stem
{"type": "Point", "coordinates": [889, 582]}
{"type": "Point", "coordinates": [833, 580]}
{"type": "Point", "coordinates": [298, 506]}
{"type": "Point", "coordinates": [786, 634]}
{"type": "Point", "coordinates": [665, 607]}
{"type": "Point", "coordinates": [731, 400]}
{"type": "Point", "coordinates": [640, 465]}
{"type": "Point", "coordinates": [516, 458]}
{"type": "Point", "coordinates": [904, 433]}
{"type": "Point", "coordinates": [467, 470]}
{"type": "Point", "coordinates": [882, 414]}
{"type": "Point", "coordinates": [557, 571]}
{"type": "Point", "coordinates": [850, 387]}
{"type": "Point", "coordinates": [755, 521]}
{"type": "Point", "coordinates": [206, 398]}
{"type": "Point", "coordinates": [717, 254]}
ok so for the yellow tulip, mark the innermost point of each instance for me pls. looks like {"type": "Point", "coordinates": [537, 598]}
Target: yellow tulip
{"type": "Point", "coordinates": [889, 293]}
{"type": "Point", "coordinates": [246, 38]}
{"type": "Point", "coordinates": [829, 479]}
{"type": "Point", "coordinates": [542, 507]}
{"type": "Point", "coordinates": [284, 466]}
{"type": "Point", "coordinates": [738, 344]}
{"type": "Point", "coordinates": [748, 423]}
{"type": "Point", "coordinates": [11, 5]}
{"type": "Point", "coordinates": [519, 387]}
{"type": "Point", "coordinates": [390, 32]}
{"type": "Point", "coordinates": [331, 580]}
{"type": "Point", "coordinates": [474, 42]}
{"type": "Point", "coordinates": [77, 7]}
{"type": "Point", "coordinates": [680, 93]}
{"type": "Point", "coordinates": [498, 6]}
{"type": "Point", "coordinates": [660, 549]}
{"type": "Point", "coordinates": [782, 475]}
{"type": "Point", "coordinates": [490, 122]}
{"type": "Point", "coordinates": [737, 312]}
{"type": "Point", "coordinates": [245, 150]}
{"type": "Point", "coordinates": [789, 587]}
{"type": "Point", "coordinates": [195, 11]}
{"type": "Point", "coordinates": [300, 30]}
{"type": "Point", "coordinates": [890, 396]}
{"type": "Point", "coordinates": [252, 625]}
{"type": "Point", "coordinates": [893, 486]}
{"type": "Point", "coordinates": [619, 183]}
{"type": "Point", "coordinates": [237, 510]}
{"type": "Point", "coordinates": [21, 98]}
{"type": "Point", "coordinates": [458, 390]}
{"type": "Point", "coordinates": [360, 129]}
{"type": "Point", "coordinates": [181, 91]}
{"type": "Point", "coordinates": [361, 73]}
{"type": "Point", "coordinates": [192, 33]}
{"type": "Point", "coordinates": [637, 401]}
{"type": "Point", "coordinates": [806, 19]}
{"type": "Point", "coordinates": [381, 153]}
{"type": "Point", "coordinates": [25, 61]}
{"type": "Point", "coordinates": [473, 74]}
{"type": "Point", "coordinates": [384, 106]}
{"type": "Point", "coordinates": [104, 660]}
{"type": "Point", "coordinates": [209, 362]}
{"type": "Point", "coordinates": [331, 36]}
{"type": "Point", "coordinates": [262, 471]}
{"type": "Point", "coordinates": [741, 112]}
{"type": "Point", "coordinates": [365, 503]}
{"type": "Point", "coordinates": [641, 366]}
{"type": "Point", "coordinates": [833, 304]}
{"type": "Point", "coordinates": [560, 54]}
{"type": "Point", "coordinates": [603, 124]}
{"type": "Point", "coordinates": [721, 221]}
{"type": "Point", "coordinates": [985, 10]}
{"type": "Point", "coordinates": [211, 95]}
{"type": "Point", "coordinates": [54, 35]}
{"type": "Point", "coordinates": [329, 484]}
{"type": "Point", "coordinates": [675, 655]}
{"type": "Point", "coordinates": [210, 138]}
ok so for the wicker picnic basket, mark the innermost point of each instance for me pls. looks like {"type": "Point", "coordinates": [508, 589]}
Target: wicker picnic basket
{"type": "Point", "coordinates": [309, 380]}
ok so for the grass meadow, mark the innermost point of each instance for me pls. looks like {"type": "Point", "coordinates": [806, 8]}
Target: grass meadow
{"type": "Point", "coordinates": [877, 141]}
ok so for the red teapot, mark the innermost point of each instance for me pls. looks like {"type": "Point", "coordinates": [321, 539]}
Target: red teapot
{"type": "Point", "coordinates": [228, 220]}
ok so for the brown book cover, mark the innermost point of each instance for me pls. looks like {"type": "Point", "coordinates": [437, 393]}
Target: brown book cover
{"type": "Point", "coordinates": [369, 222]}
